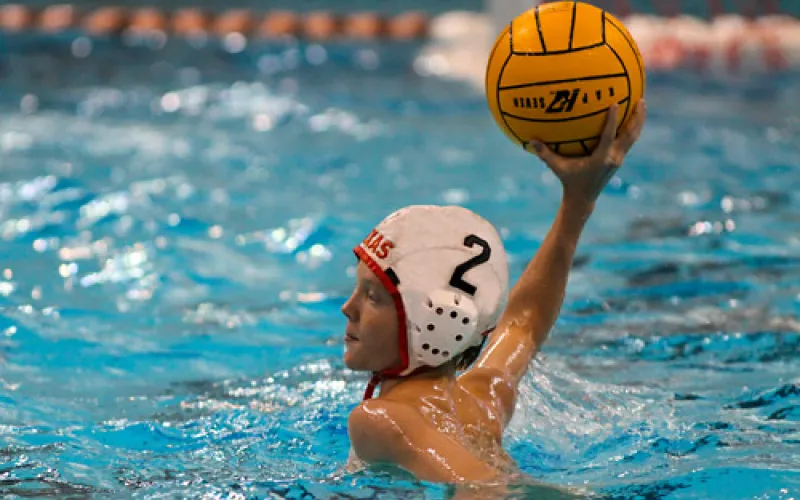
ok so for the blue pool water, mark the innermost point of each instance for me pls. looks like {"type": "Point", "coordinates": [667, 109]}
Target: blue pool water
{"type": "Point", "coordinates": [175, 235]}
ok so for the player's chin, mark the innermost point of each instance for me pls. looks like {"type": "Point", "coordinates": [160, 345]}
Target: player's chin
{"type": "Point", "coordinates": [353, 360]}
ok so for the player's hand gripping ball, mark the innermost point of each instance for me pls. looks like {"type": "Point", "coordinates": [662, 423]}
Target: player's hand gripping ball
{"type": "Point", "coordinates": [554, 72]}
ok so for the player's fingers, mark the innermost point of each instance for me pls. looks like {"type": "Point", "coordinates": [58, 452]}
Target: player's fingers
{"type": "Point", "coordinates": [609, 133]}
{"type": "Point", "coordinates": [634, 128]}
{"type": "Point", "coordinates": [543, 152]}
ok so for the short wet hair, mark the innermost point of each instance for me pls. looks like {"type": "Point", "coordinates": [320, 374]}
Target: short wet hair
{"type": "Point", "coordinates": [464, 360]}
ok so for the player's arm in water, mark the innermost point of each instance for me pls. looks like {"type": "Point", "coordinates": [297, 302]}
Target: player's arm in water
{"type": "Point", "coordinates": [536, 299]}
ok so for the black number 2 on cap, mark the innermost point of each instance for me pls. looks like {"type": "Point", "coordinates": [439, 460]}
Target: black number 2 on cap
{"type": "Point", "coordinates": [457, 280]}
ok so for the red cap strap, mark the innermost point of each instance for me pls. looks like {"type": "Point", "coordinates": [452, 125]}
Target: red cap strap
{"type": "Point", "coordinates": [373, 383]}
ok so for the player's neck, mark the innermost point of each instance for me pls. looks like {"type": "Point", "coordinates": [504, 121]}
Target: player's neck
{"type": "Point", "coordinates": [430, 379]}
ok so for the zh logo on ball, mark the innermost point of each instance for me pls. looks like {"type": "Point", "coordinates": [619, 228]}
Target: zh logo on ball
{"type": "Point", "coordinates": [562, 101]}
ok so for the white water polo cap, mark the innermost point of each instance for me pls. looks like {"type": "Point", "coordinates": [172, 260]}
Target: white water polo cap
{"type": "Point", "coordinates": [447, 270]}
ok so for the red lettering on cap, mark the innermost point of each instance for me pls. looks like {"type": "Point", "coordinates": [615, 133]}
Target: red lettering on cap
{"type": "Point", "coordinates": [383, 251]}
{"type": "Point", "coordinates": [379, 244]}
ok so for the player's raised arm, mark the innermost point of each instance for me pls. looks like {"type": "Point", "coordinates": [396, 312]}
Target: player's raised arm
{"type": "Point", "coordinates": [535, 301]}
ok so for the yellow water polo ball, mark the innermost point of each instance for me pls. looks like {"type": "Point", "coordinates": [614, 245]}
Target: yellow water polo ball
{"type": "Point", "coordinates": [556, 69]}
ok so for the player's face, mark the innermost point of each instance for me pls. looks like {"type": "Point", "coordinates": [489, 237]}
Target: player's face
{"type": "Point", "coordinates": [371, 335]}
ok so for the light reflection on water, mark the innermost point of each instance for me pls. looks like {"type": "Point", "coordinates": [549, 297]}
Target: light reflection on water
{"type": "Point", "coordinates": [174, 256]}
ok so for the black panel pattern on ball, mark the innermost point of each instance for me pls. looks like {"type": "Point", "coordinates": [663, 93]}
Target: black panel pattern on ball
{"type": "Point", "coordinates": [500, 79]}
{"type": "Point", "coordinates": [557, 52]}
{"type": "Point", "coordinates": [544, 51]}
{"type": "Point", "coordinates": [555, 146]}
{"type": "Point", "coordinates": [567, 80]}
{"type": "Point", "coordinates": [491, 57]}
{"type": "Point", "coordinates": [539, 29]}
{"type": "Point", "coordinates": [627, 100]}
{"type": "Point", "coordinates": [603, 27]}
{"type": "Point", "coordinates": [633, 50]}
{"type": "Point", "coordinates": [572, 26]}
{"type": "Point", "coordinates": [570, 118]}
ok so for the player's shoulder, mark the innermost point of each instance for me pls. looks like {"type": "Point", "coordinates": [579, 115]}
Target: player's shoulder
{"type": "Point", "coordinates": [381, 429]}
{"type": "Point", "coordinates": [491, 387]}
{"type": "Point", "coordinates": [383, 415]}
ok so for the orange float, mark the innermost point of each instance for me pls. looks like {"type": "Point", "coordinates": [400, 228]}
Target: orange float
{"type": "Point", "coordinates": [15, 17]}
{"type": "Point", "coordinates": [57, 18]}
{"type": "Point", "coordinates": [233, 21]}
{"type": "Point", "coordinates": [364, 26]}
{"type": "Point", "coordinates": [278, 24]}
{"type": "Point", "coordinates": [189, 22]}
{"type": "Point", "coordinates": [147, 19]}
{"type": "Point", "coordinates": [408, 26]}
{"type": "Point", "coordinates": [320, 25]}
{"type": "Point", "coordinates": [105, 21]}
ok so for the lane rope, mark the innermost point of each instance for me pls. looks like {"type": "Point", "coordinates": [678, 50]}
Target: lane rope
{"type": "Point", "coordinates": [319, 25]}
{"type": "Point", "coordinates": [758, 39]}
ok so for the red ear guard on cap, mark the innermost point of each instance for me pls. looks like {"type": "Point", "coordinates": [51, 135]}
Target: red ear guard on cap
{"type": "Point", "coordinates": [389, 281]}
